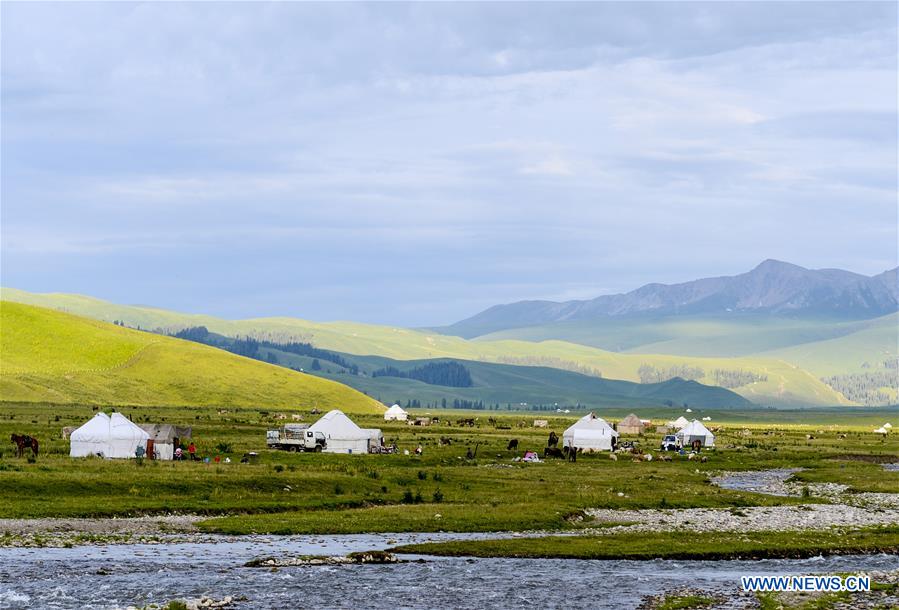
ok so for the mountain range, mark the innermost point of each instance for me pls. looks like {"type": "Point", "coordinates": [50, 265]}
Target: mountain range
{"type": "Point", "coordinates": [773, 287]}
{"type": "Point", "coordinates": [779, 335]}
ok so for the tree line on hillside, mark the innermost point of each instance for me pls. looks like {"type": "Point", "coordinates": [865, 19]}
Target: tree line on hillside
{"type": "Point", "coordinates": [551, 362]}
{"type": "Point", "coordinates": [480, 405]}
{"type": "Point", "coordinates": [451, 374]}
{"type": "Point", "coordinates": [260, 349]}
{"type": "Point", "coordinates": [725, 378]}
{"type": "Point", "coordinates": [652, 374]}
{"type": "Point", "coordinates": [874, 388]}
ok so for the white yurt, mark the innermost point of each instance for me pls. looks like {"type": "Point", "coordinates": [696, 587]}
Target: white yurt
{"type": "Point", "coordinates": [590, 433]}
{"type": "Point", "coordinates": [342, 435]}
{"type": "Point", "coordinates": [396, 413]}
{"type": "Point", "coordinates": [695, 431]}
{"type": "Point", "coordinates": [107, 436]}
{"type": "Point", "coordinates": [679, 423]}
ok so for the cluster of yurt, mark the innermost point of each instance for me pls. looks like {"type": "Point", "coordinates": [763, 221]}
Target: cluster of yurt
{"type": "Point", "coordinates": [109, 436]}
{"type": "Point", "coordinates": [590, 433]}
{"type": "Point", "coordinates": [396, 413]}
{"type": "Point", "coordinates": [342, 435]}
{"type": "Point", "coordinates": [117, 437]}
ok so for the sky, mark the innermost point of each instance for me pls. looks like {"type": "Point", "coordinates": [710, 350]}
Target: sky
{"type": "Point", "coordinates": [413, 164]}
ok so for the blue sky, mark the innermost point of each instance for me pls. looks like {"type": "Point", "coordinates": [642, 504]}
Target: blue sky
{"type": "Point", "coordinates": [414, 164]}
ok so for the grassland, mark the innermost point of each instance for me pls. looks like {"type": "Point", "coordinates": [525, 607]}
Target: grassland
{"type": "Point", "coordinates": [439, 491]}
{"type": "Point", "coordinates": [786, 383]}
{"type": "Point", "coordinates": [54, 357]}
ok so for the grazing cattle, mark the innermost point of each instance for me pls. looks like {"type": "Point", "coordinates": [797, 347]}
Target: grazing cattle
{"type": "Point", "coordinates": [23, 442]}
{"type": "Point", "coordinates": [468, 421]}
{"type": "Point", "coordinates": [446, 441]}
{"type": "Point", "coordinates": [704, 459]}
{"type": "Point", "coordinates": [691, 456]}
{"type": "Point", "coordinates": [513, 445]}
{"type": "Point", "coordinates": [554, 452]}
{"type": "Point", "coordinates": [553, 440]}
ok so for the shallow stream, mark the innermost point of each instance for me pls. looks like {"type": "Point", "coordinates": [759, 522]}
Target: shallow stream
{"type": "Point", "coordinates": [138, 574]}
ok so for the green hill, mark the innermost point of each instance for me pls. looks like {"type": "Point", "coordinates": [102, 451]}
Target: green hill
{"type": "Point", "coordinates": [49, 356]}
{"type": "Point", "coordinates": [783, 383]}
{"type": "Point", "coordinates": [487, 383]}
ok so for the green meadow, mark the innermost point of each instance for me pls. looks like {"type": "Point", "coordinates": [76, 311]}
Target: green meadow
{"type": "Point", "coordinates": [442, 490]}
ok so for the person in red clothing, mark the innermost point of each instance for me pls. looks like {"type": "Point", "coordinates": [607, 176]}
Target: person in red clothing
{"type": "Point", "coordinates": [192, 450]}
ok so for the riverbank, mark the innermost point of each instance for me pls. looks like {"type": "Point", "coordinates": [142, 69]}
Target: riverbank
{"type": "Point", "coordinates": [674, 545]}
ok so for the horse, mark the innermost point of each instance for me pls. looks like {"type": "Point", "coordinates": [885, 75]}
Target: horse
{"type": "Point", "coordinates": [513, 445]}
{"type": "Point", "coordinates": [553, 440]}
{"type": "Point", "coordinates": [23, 442]}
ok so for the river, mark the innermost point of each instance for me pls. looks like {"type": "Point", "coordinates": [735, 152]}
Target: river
{"type": "Point", "coordinates": [116, 576]}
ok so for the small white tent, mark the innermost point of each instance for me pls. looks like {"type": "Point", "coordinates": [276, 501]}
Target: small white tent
{"type": "Point", "coordinates": [396, 413]}
{"type": "Point", "coordinates": [590, 433]}
{"type": "Point", "coordinates": [695, 431]}
{"type": "Point", "coordinates": [344, 436]}
{"type": "Point", "coordinates": [110, 437]}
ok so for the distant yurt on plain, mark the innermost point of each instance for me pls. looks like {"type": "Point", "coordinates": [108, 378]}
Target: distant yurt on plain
{"type": "Point", "coordinates": [107, 436]}
{"type": "Point", "coordinates": [695, 431]}
{"type": "Point", "coordinates": [396, 413]}
{"type": "Point", "coordinates": [342, 435]}
{"type": "Point", "coordinates": [631, 425]}
{"type": "Point", "coordinates": [590, 433]}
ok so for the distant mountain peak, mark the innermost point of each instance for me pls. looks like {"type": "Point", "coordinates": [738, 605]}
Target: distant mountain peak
{"type": "Point", "coordinates": [773, 286]}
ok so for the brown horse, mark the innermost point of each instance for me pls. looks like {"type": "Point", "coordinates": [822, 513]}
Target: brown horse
{"type": "Point", "coordinates": [23, 442]}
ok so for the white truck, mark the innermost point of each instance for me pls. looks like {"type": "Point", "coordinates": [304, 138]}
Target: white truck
{"type": "Point", "coordinates": [295, 437]}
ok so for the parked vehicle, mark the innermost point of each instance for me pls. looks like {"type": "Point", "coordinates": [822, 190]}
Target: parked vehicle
{"type": "Point", "coordinates": [295, 437]}
{"type": "Point", "coordinates": [669, 443]}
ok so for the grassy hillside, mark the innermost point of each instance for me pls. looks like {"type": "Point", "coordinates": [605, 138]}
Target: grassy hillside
{"type": "Point", "coordinates": [49, 356]}
{"type": "Point", "coordinates": [874, 342]}
{"type": "Point", "coordinates": [786, 383]}
{"type": "Point", "coordinates": [502, 384]}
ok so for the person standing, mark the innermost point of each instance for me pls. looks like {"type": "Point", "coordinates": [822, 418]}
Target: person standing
{"type": "Point", "coordinates": [192, 450]}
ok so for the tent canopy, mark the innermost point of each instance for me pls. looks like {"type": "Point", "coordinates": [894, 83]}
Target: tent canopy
{"type": "Point", "coordinates": [589, 432]}
{"type": "Point", "coordinates": [696, 431]}
{"type": "Point", "coordinates": [166, 433]}
{"type": "Point", "coordinates": [343, 435]}
{"type": "Point", "coordinates": [680, 422]}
